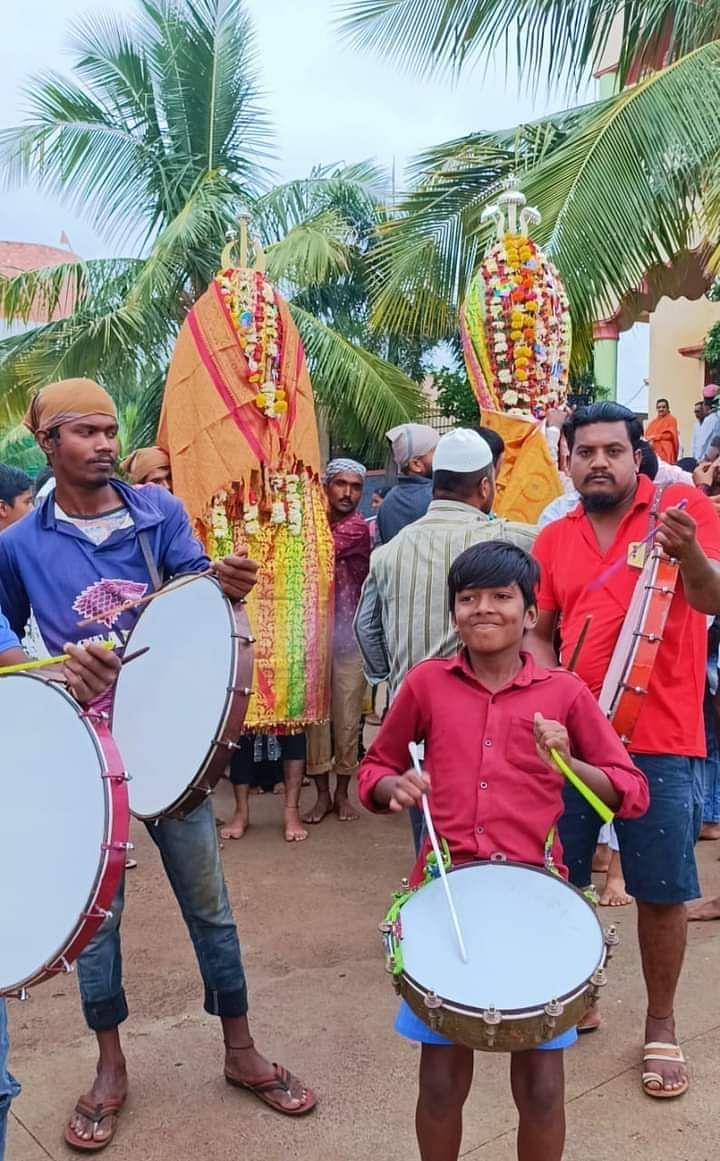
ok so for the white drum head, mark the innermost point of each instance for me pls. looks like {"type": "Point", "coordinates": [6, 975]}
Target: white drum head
{"type": "Point", "coordinates": [529, 937]}
{"type": "Point", "coordinates": [170, 703]}
{"type": "Point", "coordinates": [53, 823]}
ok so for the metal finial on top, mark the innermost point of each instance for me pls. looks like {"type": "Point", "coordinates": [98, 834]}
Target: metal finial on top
{"type": "Point", "coordinates": [244, 241]}
{"type": "Point", "coordinates": [505, 211]}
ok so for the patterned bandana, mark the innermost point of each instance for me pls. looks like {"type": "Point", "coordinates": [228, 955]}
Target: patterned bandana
{"type": "Point", "coordinates": [335, 467]}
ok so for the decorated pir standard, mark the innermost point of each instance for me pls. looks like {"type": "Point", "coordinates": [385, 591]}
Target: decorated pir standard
{"type": "Point", "coordinates": [239, 422]}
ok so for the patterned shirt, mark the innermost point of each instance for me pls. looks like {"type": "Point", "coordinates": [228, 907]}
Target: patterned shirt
{"type": "Point", "coordinates": [351, 536]}
{"type": "Point", "coordinates": [404, 613]}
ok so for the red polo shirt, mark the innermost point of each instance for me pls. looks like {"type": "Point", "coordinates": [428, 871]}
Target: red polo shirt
{"type": "Point", "coordinates": [491, 792]}
{"type": "Point", "coordinates": [671, 720]}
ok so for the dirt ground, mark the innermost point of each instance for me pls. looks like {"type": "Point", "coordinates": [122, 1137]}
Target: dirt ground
{"type": "Point", "coordinates": [322, 1004]}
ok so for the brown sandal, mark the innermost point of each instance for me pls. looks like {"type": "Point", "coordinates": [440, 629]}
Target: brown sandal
{"type": "Point", "coordinates": [280, 1081]}
{"type": "Point", "coordinates": [96, 1114]}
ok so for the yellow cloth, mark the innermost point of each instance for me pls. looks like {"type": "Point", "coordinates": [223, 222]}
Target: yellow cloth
{"type": "Point", "coordinates": [528, 478]}
{"type": "Point", "coordinates": [215, 434]}
{"type": "Point", "coordinates": [66, 400]}
{"type": "Point", "coordinates": [143, 461]}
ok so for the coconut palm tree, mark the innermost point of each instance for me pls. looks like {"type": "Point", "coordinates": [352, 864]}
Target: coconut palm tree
{"type": "Point", "coordinates": [622, 184]}
{"type": "Point", "coordinates": [160, 138]}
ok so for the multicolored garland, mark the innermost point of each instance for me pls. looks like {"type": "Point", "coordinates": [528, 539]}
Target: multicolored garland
{"type": "Point", "coordinates": [250, 299]}
{"type": "Point", "coordinates": [516, 324]}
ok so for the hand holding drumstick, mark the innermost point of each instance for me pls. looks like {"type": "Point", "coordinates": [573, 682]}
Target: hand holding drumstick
{"type": "Point", "coordinates": [553, 745]}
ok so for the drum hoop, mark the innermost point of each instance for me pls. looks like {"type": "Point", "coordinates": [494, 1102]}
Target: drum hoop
{"type": "Point", "coordinates": [625, 686]}
{"type": "Point", "coordinates": [509, 1013]}
{"type": "Point", "coordinates": [232, 697]}
{"type": "Point", "coordinates": [116, 830]}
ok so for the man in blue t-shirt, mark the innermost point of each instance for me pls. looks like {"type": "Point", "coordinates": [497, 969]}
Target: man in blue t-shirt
{"type": "Point", "coordinates": [95, 536]}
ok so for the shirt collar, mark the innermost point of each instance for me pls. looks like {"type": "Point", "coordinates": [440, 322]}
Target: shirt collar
{"type": "Point", "coordinates": [643, 495]}
{"type": "Point", "coordinates": [468, 510]}
{"type": "Point", "coordinates": [529, 673]}
{"type": "Point", "coordinates": [145, 513]}
{"type": "Point", "coordinates": [415, 479]}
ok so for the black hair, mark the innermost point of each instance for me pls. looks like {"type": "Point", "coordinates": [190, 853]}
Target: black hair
{"type": "Point", "coordinates": [382, 491]}
{"type": "Point", "coordinates": [649, 462]}
{"type": "Point", "coordinates": [687, 463]}
{"type": "Point", "coordinates": [665, 401]}
{"type": "Point", "coordinates": [605, 412]}
{"type": "Point", "coordinates": [495, 442]}
{"type": "Point", "coordinates": [460, 484]}
{"type": "Point", "coordinates": [493, 564]}
{"type": "Point", "coordinates": [13, 483]}
{"type": "Point", "coordinates": [41, 480]}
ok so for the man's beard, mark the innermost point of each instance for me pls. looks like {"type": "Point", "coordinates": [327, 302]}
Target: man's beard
{"type": "Point", "coordinates": [600, 501]}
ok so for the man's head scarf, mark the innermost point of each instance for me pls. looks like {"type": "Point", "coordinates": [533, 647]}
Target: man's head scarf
{"type": "Point", "coordinates": [67, 400]}
{"type": "Point", "coordinates": [143, 461]}
{"type": "Point", "coordinates": [410, 440]}
{"type": "Point", "coordinates": [335, 467]}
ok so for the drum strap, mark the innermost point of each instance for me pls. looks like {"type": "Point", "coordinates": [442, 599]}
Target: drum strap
{"type": "Point", "coordinates": [144, 541]}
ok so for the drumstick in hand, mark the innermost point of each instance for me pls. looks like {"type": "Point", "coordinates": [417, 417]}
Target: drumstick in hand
{"type": "Point", "coordinates": [438, 854]}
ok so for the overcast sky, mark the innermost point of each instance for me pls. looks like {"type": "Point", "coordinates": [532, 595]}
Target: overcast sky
{"type": "Point", "coordinates": [329, 104]}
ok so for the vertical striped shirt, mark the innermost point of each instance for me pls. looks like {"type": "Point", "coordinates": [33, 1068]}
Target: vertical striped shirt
{"type": "Point", "coordinates": [404, 613]}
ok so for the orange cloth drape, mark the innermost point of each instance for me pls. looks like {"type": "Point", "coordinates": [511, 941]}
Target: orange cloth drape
{"type": "Point", "coordinates": [528, 478]}
{"type": "Point", "coordinates": [210, 424]}
{"type": "Point", "coordinates": [662, 433]}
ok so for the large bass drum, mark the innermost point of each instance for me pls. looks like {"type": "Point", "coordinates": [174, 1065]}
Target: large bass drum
{"type": "Point", "coordinates": [63, 830]}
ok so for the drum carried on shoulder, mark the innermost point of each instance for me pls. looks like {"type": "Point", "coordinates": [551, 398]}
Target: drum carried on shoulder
{"type": "Point", "coordinates": [536, 955]}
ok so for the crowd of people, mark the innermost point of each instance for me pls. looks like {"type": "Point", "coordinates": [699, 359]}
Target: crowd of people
{"type": "Point", "coordinates": [469, 621]}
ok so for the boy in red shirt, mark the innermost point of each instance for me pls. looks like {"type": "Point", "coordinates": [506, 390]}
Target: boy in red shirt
{"type": "Point", "coordinates": [489, 718]}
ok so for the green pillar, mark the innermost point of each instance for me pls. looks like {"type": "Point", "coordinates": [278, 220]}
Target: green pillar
{"type": "Point", "coordinates": [605, 360]}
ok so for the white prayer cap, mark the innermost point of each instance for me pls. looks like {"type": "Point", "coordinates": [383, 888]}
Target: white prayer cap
{"type": "Point", "coordinates": [462, 451]}
{"type": "Point", "coordinates": [410, 440]}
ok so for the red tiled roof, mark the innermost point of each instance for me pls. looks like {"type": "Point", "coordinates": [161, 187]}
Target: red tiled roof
{"type": "Point", "coordinates": [17, 257]}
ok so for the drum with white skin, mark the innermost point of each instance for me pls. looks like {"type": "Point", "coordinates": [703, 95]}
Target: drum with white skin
{"type": "Point", "coordinates": [536, 955]}
{"type": "Point", "coordinates": [179, 708]}
{"type": "Point", "coordinates": [63, 830]}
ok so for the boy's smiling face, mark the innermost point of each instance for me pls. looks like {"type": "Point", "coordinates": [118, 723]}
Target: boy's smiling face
{"type": "Point", "coordinates": [493, 620]}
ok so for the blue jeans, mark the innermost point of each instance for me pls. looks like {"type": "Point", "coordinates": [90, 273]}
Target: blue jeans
{"type": "Point", "coordinates": [191, 857]}
{"type": "Point", "coordinates": [9, 1087]}
{"type": "Point", "coordinates": [711, 808]}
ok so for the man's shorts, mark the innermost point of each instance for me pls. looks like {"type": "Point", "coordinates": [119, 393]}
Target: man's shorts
{"type": "Point", "coordinates": [412, 1028]}
{"type": "Point", "coordinates": [657, 850]}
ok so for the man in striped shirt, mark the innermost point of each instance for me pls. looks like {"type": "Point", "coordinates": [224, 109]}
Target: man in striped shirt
{"type": "Point", "coordinates": [403, 616]}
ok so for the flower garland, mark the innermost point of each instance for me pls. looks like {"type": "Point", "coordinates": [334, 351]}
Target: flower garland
{"type": "Point", "coordinates": [250, 300]}
{"type": "Point", "coordinates": [526, 320]}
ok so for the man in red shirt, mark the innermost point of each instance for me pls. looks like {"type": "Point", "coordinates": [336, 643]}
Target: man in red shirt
{"type": "Point", "coordinates": [492, 790]}
{"type": "Point", "coordinates": [335, 744]}
{"type": "Point", "coordinates": [616, 512]}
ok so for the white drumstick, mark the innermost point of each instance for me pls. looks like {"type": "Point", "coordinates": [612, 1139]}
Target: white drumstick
{"type": "Point", "coordinates": [438, 854]}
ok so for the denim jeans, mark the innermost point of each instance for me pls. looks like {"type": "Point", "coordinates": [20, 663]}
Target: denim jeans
{"type": "Point", "coordinates": [711, 809]}
{"type": "Point", "coordinates": [191, 857]}
{"type": "Point", "coordinates": [9, 1087]}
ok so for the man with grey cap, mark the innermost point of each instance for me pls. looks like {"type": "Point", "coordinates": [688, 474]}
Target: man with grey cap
{"type": "Point", "coordinates": [404, 614]}
{"type": "Point", "coordinates": [413, 445]}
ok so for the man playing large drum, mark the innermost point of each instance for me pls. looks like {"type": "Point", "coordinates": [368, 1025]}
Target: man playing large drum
{"type": "Point", "coordinates": [493, 792]}
{"type": "Point", "coordinates": [590, 562]}
{"type": "Point", "coordinates": [87, 548]}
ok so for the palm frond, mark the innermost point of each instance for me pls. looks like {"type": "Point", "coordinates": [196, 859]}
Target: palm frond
{"type": "Point", "coordinates": [311, 253]}
{"type": "Point", "coordinates": [554, 39]}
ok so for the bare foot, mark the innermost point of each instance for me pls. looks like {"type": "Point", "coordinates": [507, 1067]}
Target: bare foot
{"type": "Point", "coordinates": [247, 1066]}
{"type": "Point", "coordinates": [601, 858]}
{"type": "Point", "coordinates": [591, 1020]}
{"type": "Point", "coordinates": [344, 810]}
{"type": "Point", "coordinates": [109, 1086]}
{"type": "Point", "coordinates": [279, 788]}
{"type": "Point", "coordinates": [237, 826]}
{"type": "Point", "coordinates": [615, 894]}
{"type": "Point", "coordinates": [704, 909]}
{"type": "Point", "coordinates": [673, 1072]}
{"type": "Point", "coordinates": [322, 807]}
{"type": "Point", "coordinates": [710, 830]}
{"type": "Point", "coordinates": [294, 830]}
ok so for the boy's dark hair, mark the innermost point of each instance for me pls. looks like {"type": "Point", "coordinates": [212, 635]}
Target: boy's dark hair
{"type": "Point", "coordinates": [649, 463]}
{"type": "Point", "coordinates": [495, 442]}
{"type": "Point", "coordinates": [493, 564]}
{"type": "Point", "coordinates": [13, 483]}
{"type": "Point", "coordinates": [687, 463]}
{"type": "Point", "coordinates": [606, 412]}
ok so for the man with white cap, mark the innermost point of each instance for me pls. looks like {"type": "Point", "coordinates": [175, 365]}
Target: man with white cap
{"type": "Point", "coordinates": [404, 614]}
{"type": "Point", "coordinates": [413, 445]}
{"type": "Point", "coordinates": [707, 424]}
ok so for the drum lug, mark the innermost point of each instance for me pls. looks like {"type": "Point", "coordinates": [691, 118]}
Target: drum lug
{"type": "Point", "coordinates": [612, 939]}
{"type": "Point", "coordinates": [553, 1011]}
{"type": "Point", "coordinates": [22, 994]}
{"type": "Point", "coordinates": [117, 846]}
{"type": "Point", "coordinates": [95, 715]}
{"type": "Point", "coordinates": [98, 913]}
{"type": "Point", "coordinates": [433, 1003]}
{"type": "Point", "coordinates": [124, 777]}
{"type": "Point", "coordinates": [243, 689]}
{"type": "Point", "coordinates": [598, 981]}
{"type": "Point", "coordinates": [491, 1019]}
{"type": "Point", "coordinates": [62, 967]}
{"type": "Point", "coordinates": [244, 637]}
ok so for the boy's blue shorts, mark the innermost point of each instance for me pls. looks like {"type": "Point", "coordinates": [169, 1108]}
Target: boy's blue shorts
{"type": "Point", "coordinates": [412, 1028]}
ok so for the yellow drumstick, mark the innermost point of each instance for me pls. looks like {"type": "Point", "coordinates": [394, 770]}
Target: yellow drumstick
{"type": "Point", "coordinates": [42, 662]}
{"type": "Point", "coordinates": [575, 780]}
